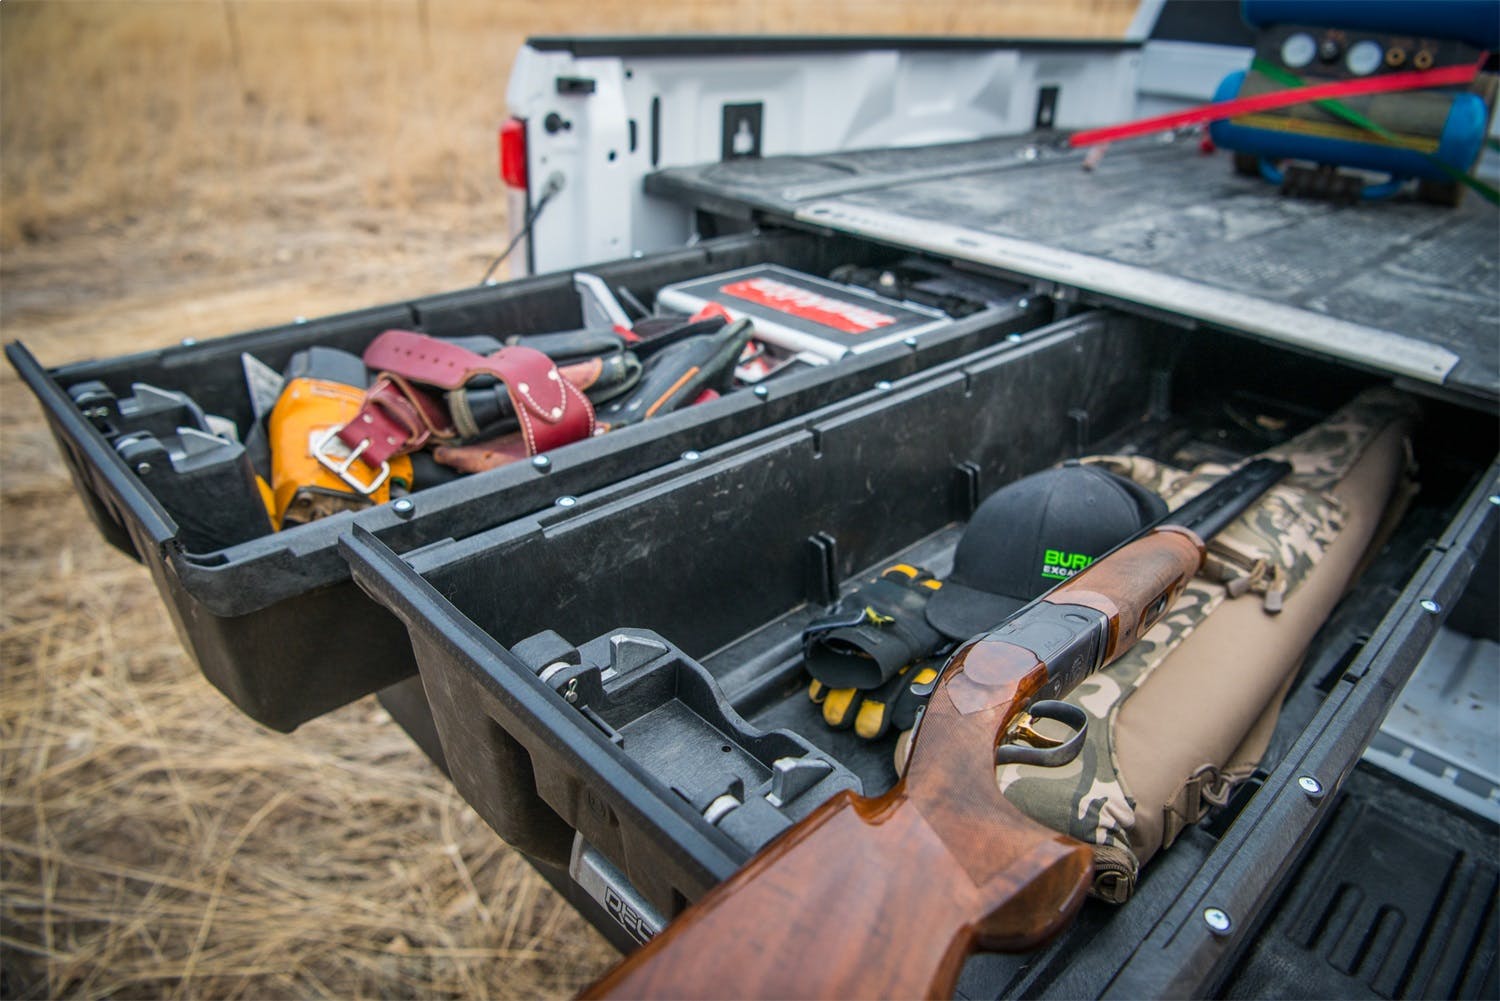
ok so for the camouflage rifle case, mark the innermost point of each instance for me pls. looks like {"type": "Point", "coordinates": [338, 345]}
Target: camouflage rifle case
{"type": "Point", "coordinates": [1188, 713]}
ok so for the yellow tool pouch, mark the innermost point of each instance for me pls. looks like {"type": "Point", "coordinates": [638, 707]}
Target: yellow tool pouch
{"type": "Point", "coordinates": [302, 489]}
{"type": "Point", "coordinates": [1189, 711]}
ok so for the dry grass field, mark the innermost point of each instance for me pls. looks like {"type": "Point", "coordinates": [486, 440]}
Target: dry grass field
{"type": "Point", "coordinates": [189, 169]}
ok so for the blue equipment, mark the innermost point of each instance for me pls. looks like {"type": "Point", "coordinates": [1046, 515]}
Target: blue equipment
{"type": "Point", "coordinates": [1323, 41]}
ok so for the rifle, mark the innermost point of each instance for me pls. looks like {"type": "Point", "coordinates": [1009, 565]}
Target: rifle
{"type": "Point", "coordinates": [886, 896]}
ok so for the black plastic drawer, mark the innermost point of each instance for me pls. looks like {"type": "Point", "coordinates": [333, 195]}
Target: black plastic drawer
{"type": "Point", "coordinates": [273, 622]}
{"type": "Point", "coordinates": [726, 557]}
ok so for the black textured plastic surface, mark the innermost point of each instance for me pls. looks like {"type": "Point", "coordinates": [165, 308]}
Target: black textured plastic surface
{"type": "Point", "coordinates": [715, 553]}
{"type": "Point", "coordinates": [728, 541]}
{"type": "Point", "coordinates": [274, 622]}
{"type": "Point", "coordinates": [1396, 899]}
{"type": "Point", "coordinates": [669, 715]}
{"type": "Point", "coordinates": [408, 707]}
{"type": "Point", "coordinates": [1426, 272]}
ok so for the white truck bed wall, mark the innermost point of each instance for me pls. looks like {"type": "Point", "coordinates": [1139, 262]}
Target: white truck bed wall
{"type": "Point", "coordinates": [619, 109]}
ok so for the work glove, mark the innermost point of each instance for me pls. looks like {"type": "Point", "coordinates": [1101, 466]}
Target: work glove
{"type": "Point", "coordinates": [874, 712]}
{"type": "Point", "coordinates": [868, 655]}
{"type": "Point", "coordinates": [874, 631]}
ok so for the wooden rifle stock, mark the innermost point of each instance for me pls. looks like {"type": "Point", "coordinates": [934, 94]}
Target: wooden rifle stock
{"type": "Point", "coordinates": [886, 896]}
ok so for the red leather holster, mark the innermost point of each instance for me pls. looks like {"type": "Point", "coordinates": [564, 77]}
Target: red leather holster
{"type": "Point", "coordinates": [399, 415]}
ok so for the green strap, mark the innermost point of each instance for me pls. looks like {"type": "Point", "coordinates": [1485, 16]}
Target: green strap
{"type": "Point", "coordinates": [1341, 110]}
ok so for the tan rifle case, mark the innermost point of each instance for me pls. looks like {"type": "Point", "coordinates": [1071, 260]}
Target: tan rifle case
{"type": "Point", "coordinates": [1187, 714]}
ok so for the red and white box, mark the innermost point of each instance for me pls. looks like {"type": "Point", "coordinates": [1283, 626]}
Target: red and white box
{"type": "Point", "coordinates": [803, 313]}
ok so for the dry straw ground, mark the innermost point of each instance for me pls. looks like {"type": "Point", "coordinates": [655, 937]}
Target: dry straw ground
{"type": "Point", "coordinates": [190, 169]}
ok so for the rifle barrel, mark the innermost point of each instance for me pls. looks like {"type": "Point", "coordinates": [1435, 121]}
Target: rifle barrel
{"type": "Point", "coordinates": [1209, 513]}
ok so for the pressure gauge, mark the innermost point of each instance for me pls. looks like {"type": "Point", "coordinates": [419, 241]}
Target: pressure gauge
{"type": "Point", "coordinates": [1298, 50]}
{"type": "Point", "coordinates": [1364, 57]}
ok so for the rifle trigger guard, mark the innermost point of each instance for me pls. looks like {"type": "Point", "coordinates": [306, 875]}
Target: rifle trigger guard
{"type": "Point", "coordinates": [1056, 752]}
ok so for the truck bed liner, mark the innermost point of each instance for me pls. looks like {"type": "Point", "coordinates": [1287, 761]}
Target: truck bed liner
{"type": "Point", "coordinates": [1399, 286]}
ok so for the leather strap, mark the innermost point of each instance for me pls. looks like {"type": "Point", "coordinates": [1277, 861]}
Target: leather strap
{"type": "Point", "coordinates": [460, 407]}
{"type": "Point", "coordinates": [551, 410]}
{"type": "Point", "coordinates": [584, 374]}
{"type": "Point", "coordinates": [394, 418]}
{"type": "Point", "coordinates": [483, 455]}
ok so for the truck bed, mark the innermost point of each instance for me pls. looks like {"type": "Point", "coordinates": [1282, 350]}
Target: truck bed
{"type": "Point", "coordinates": [1398, 286]}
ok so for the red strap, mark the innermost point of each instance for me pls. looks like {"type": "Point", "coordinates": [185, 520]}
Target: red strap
{"type": "Point", "coordinates": [1442, 76]}
{"type": "Point", "coordinates": [394, 418]}
{"type": "Point", "coordinates": [550, 409]}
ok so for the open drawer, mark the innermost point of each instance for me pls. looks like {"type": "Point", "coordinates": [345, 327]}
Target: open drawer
{"type": "Point", "coordinates": [273, 621]}
{"type": "Point", "coordinates": [726, 560]}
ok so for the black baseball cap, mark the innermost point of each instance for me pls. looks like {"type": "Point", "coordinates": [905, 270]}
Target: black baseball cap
{"type": "Point", "coordinates": [1031, 534]}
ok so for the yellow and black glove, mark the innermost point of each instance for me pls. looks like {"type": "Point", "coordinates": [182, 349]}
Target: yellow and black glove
{"type": "Point", "coordinates": [862, 656]}
{"type": "Point", "coordinates": [874, 712]}
{"type": "Point", "coordinates": [874, 631]}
